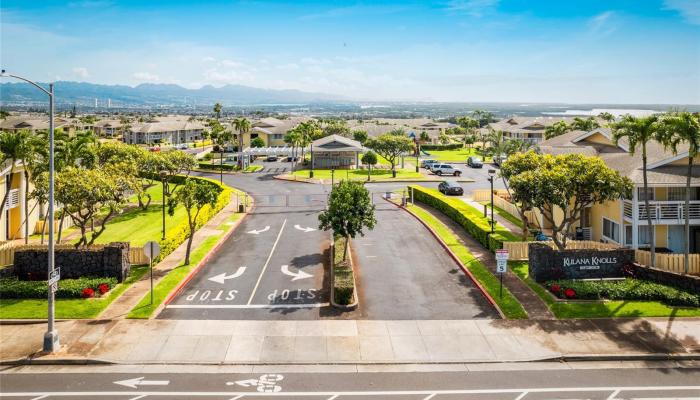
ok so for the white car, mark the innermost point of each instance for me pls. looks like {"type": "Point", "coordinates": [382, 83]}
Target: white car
{"type": "Point", "coordinates": [446, 169]}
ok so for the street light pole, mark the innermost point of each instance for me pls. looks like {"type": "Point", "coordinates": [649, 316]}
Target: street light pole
{"type": "Point", "coordinates": [492, 173]}
{"type": "Point", "coordinates": [163, 174]}
{"type": "Point", "coordinates": [311, 171]}
{"type": "Point", "coordinates": [417, 155]}
{"type": "Point", "coordinates": [51, 342]}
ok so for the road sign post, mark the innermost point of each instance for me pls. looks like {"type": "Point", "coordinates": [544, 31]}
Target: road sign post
{"type": "Point", "coordinates": [151, 249]}
{"type": "Point", "coordinates": [501, 266]}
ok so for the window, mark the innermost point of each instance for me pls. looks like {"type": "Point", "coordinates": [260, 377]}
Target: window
{"type": "Point", "coordinates": [644, 237]}
{"type": "Point", "coordinates": [611, 230]}
{"type": "Point", "coordinates": [678, 194]}
{"type": "Point", "coordinates": [277, 136]}
{"type": "Point", "coordinates": [641, 194]}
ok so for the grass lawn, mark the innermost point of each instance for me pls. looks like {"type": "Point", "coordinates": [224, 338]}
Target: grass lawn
{"type": "Point", "coordinates": [67, 308]}
{"type": "Point", "coordinates": [138, 226]}
{"type": "Point", "coordinates": [252, 168]}
{"type": "Point", "coordinates": [601, 309]}
{"type": "Point", "coordinates": [508, 303]}
{"type": "Point", "coordinates": [361, 175]}
{"type": "Point", "coordinates": [452, 155]}
{"type": "Point", "coordinates": [144, 309]}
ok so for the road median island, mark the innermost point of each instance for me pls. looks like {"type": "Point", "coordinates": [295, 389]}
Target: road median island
{"type": "Point", "coordinates": [343, 284]}
{"type": "Point", "coordinates": [507, 305]}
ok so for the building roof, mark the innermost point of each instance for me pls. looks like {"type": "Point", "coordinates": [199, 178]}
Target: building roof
{"type": "Point", "coordinates": [526, 124]}
{"type": "Point", "coordinates": [661, 166]}
{"type": "Point", "coordinates": [336, 143]}
{"type": "Point", "coordinates": [166, 125]}
{"type": "Point", "coordinates": [31, 122]}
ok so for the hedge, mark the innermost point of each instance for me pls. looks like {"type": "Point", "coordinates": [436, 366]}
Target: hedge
{"type": "Point", "coordinates": [343, 282]}
{"type": "Point", "coordinates": [436, 147]}
{"type": "Point", "coordinates": [469, 218]}
{"type": "Point", "coordinates": [628, 289]}
{"type": "Point", "coordinates": [178, 234]}
{"type": "Point", "coordinates": [216, 167]}
{"type": "Point", "coordinates": [12, 288]}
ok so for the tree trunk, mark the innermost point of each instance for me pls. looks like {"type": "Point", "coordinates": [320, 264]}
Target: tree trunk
{"type": "Point", "coordinates": [686, 260]}
{"type": "Point", "coordinates": [43, 228]}
{"type": "Point", "coordinates": [369, 172]}
{"type": "Point", "coordinates": [393, 170]}
{"type": "Point", "coordinates": [652, 242]}
{"type": "Point", "coordinates": [189, 246]}
{"type": "Point", "coordinates": [345, 250]}
{"type": "Point", "coordinates": [60, 226]}
{"type": "Point", "coordinates": [26, 206]}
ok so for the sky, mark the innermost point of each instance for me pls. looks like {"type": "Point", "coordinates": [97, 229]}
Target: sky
{"type": "Point", "coordinates": [573, 51]}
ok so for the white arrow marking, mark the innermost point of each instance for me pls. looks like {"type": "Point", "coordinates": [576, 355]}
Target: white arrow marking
{"type": "Point", "coordinates": [247, 383]}
{"type": "Point", "coordinates": [222, 277]}
{"type": "Point", "coordinates": [296, 275]}
{"type": "Point", "coordinates": [307, 229]}
{"type": "Point", "coordinates": [259, 231]}
{"type": "Point", "coordinates": [134, 382]}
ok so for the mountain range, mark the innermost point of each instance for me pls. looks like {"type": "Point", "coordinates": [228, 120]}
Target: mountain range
{"type": "Point", "coordinates": [82, 93]}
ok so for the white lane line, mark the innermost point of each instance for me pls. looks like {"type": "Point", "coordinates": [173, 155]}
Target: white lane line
{"type": "Point", "coordinates": [41, 397]}
{"type": "Point", "coordinates": [613, 395]}
{"type": "Point", "coordinates": [523, 394]}
{"type": "Point", "coordinates": [163, 393]}
{"type": "Point", "coordinates": [335, 396]}
{"type": "Point", "coordinates": [238, 397]}
{"type": "Point", "coordinates": [243, 306]}
{"type": "Point", "coordinates": [138, 397]}
{"type": "Point", "coordinates": [430, 396]}
{"type": "Point", "coordinates": [255, 289]}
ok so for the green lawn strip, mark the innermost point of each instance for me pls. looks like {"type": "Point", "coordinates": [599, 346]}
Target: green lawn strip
{"type": "Point", "coordinates": [361, 175]}
{"type": "Point", "coordinates": [144, 309]}
{"type": "Point", "coordinates": [508, 303]}
{"type": "Point", "coordinates": [453, 155]}
{"type": "Point", "coordinates": [600, 309]}
{"type": "Point", "coordinates": [252, 168]}
{"type": "Point", "coordinates": [139, 226]}
{"type": "Point", "coordinates": [67, 308]}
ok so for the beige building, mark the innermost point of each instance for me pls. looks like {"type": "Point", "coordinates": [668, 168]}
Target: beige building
{"type": "Point", "coordinates": [625, 221]}
{"type": "Point", "coordinates": [165, 130]}
{"type": "Point", "coordinates": [526, 128]}
{"type": "Point", "coordinates": [34, 123]}
{"type": "Point", "coordinates": [12, 221]}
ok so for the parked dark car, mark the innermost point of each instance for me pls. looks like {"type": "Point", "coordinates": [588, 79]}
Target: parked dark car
{"type": "Point", "coordinates": [499, 159]}
{"type": "Point", "coordinates": [271, 158]}
{"type": "Point", "coordinates": [475, 162]}
{"type": "Point", "coordinates": [448, 188]}
{"type": "Point", "coordinates": [290, 159]}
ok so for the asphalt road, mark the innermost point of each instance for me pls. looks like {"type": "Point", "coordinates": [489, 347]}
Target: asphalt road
{"type": "Point", "coordinates": [272, 267]}
{"type": "Point", "coordinates": [496, 384]}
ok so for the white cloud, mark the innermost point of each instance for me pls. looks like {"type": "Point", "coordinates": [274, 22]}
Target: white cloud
{"type": "Point", "coordinates": [602, 24]}
{"type": "Point", "coordinates": [474, 8]}
{"type": "Point", "coordinates": [81, 72]}
{"type": "Point", "coordinates": [689, 9]}
{"type": "Point", "coordinates": [146, 77]}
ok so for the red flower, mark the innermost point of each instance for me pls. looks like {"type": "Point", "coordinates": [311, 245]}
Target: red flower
{"type": "Point", "coordinates": [103, 288]}
{"type": "Point", "coordinates": [570, 293]}
{"type": "Point", "coordinates": [555, 288]}
{"type": "Point", "coordinates": [88, 293]}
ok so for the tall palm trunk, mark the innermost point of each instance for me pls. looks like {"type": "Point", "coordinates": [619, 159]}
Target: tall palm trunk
{"type": "Point", "coordinates": [686, 238]}
{"type": "Point", "coordinates": [8, 187]}
{"type": "Point", "coordinates": [652, 228]}
{"type": "Point", "coordinates": [26, 206]}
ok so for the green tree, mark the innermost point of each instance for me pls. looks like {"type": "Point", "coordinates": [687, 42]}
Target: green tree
{"type": "Point", "coordinates": [308, 132]}
{"type": "Point", "coordinates": [556, 129]}
{"type": "Point", "coordinates": [257, 142]}
{"type": "Point", "coordinates": [217, 110]}
{"type": "Point", "coordinates": [607, 117]}
{"type": "Point", "coordinates": [335, 127]}
{"type": "Point", "coordinates": [243, 126]}
{"type": "Point", "coordinates": [14, 147]}
{"type": "Point", "coordinates": [584, 124]}
{"type": "Point", "coordinates": [424, 137]}
{"type": "Point", "coordinates": [483, 117]}
{"type": "Point", "coordinates": [677, 129]}
{"type": "Point", "coordinates": [369, 159]}
{"type": "Point", "coordinates": [193, 195]}
{"type": "Point", "coordinates": [514, 166]}
{"type": "Point", "coordinates": [293, 139]}
{"type": "Point", "coordinates": [360, 136]}
{"type": "Point", "coordinates": [570, 182]}
{"type": "Point", "coordinates": [349, 211]}
{"type": "Point", "coordinates": [639, 132]}
{"type": "Point", "coordinates": [469, 126]}
{"type": "Point", "coordinates": [390, 146]}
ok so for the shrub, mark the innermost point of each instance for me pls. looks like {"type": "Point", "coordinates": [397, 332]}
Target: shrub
{"type": "Point", "coordinates": [103, 288]}
{"type": "Point", "coordinates": [436, 147]}
{"type": "Point", "coordinates": [13, 288]}
{"type": "Point", "coordinates": [343, 282]}
{"type": "Point", "coordinates": [88, 293]}
{"type": "Point", "coordinates": [469, 218]}
{"type": "Point", "coordinates": [627, 289]}
{"type": "Point", "coordinates": [216, 167]}
{"type": "Point", "coordinates": [555, 288]}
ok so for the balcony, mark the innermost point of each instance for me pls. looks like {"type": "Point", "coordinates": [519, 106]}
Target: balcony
{"type": "Point", "coordinates": [663, 212]}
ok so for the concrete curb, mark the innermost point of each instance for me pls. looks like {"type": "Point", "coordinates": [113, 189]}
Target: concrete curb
{"type": "Point", "coordinates": [556, 359]}
{"type": "Point", "coordinates": [202, 262]}
{"type": "Point", "coordinates": [456, 260]}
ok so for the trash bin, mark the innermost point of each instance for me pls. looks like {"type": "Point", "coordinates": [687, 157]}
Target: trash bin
{"type": "Point", "coordinates": [404, 202]}
{"type": "Point", "coordinates": [241, 208]}
{"type": "Point", "coordinates": [388, 195]}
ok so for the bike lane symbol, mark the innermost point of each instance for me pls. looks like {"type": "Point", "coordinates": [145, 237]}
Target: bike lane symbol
{"type": "Point", "coordinates": [265, 383]}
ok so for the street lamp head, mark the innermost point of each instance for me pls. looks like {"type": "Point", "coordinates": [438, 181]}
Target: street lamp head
{"type": "Point", "coordinates": [163, 173]}
{"type": "Point", "coordinates": [492, 172]}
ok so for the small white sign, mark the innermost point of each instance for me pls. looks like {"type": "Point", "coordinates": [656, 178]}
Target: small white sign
{"type": "Point", "coordinates": [151, 249]}
{"type": "Point", "coordinates": [54, 276]}
{"type": "Point", "coordinates": [501, 266]}
{"type": "Point", "coordinates": [53, 287]}
{"type": "Point", "coordinates": [502, 255]}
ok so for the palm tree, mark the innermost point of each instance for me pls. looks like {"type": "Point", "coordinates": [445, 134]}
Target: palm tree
{"type": "Point", "coordinates": [292, 138]}
{"type": "Point", "coordinates": [586, 125]}
{"type": "Point", "coordinates": [607, 117]}
{"type": "Point", "coordinates": [639, 131]}
{"type": "Point", "coordinates": [242, 125]}
{"type": "Point", "coordinates": [556, 129]}
{"type": "Point", "coordinates": [217, 110]}
{"type": "Point", "coordinates": [14, 147]}
{"type": "Point", "coordinates": [31, 158]}
{"type": "Point", "coordinates": [682, 128]}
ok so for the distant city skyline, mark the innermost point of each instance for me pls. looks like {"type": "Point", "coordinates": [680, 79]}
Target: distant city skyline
{"type": "Point", "coordinates": [459, 51]}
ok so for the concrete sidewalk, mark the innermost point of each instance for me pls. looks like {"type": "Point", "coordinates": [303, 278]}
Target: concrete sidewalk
{"type": "Point", "coordinates": [362, 341]}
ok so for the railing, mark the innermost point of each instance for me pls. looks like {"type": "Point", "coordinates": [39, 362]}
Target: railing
{"type": "Point", "coordinates": [669, 262]}
{"type": "Point", "coordinates": [518, 251]}
{"type": "Point", "coordinates": [8, 249]}
{"type": "Point", "coordinates": [663, 211]}
{"type": "Point", "coordinates": [485, 194]}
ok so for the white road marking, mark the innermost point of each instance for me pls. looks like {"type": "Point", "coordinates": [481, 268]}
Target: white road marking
{"type": "Point", "coordinates": [335, 396]}
{"type": "Point", "coordinates": [297, 275]}
{"type": "Point", "coordinates": [222, 277]}
{"type": "Point", "coordinates": [357, 393]}
{"type": "Point", "coordinates": [613, 395]}
{"type": "Point", "coordinates": [138, 397]}
{"type": "Point", "coordinates": [244, 306]}
{"type": "Point", "coordinates": [523, 394]}
{"type": "Point", "coordinates": [274, 246]}
{"type": "Point", "coordinates": [428, 397]}
{"type": "Point", "coordinates": [41, 397]}
{"type": "Point", "coordinates": [259, 231]}
{"type": "Point", "coordinates": [305, 230]}
{"type": "Point", "coordinates": [135, 382]}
